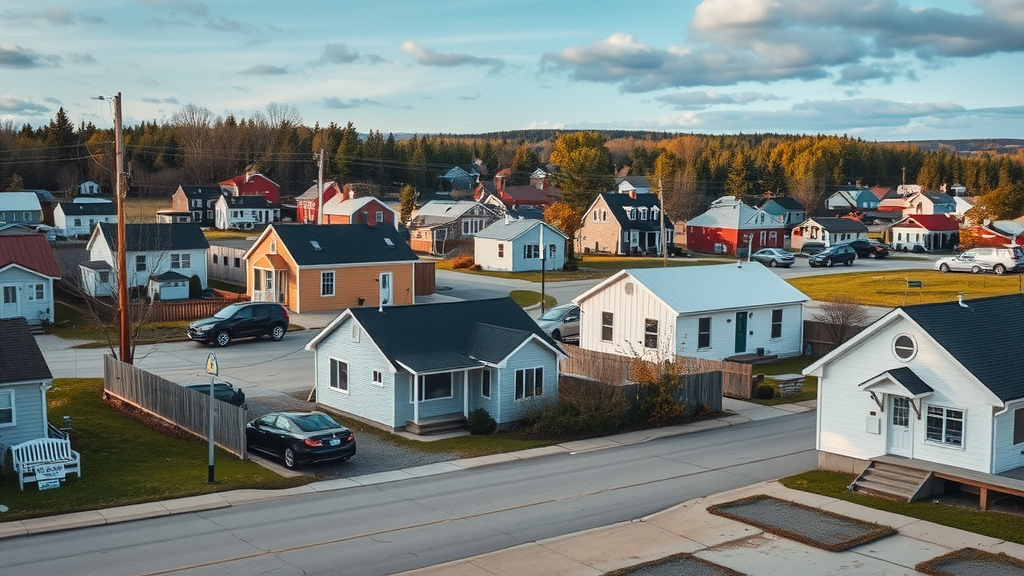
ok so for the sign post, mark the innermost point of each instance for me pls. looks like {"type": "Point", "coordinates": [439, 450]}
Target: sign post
{"type": "Point", "coordinates": [212, 370]}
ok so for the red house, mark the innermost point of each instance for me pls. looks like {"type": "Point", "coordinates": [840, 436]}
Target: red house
{"type": "Point", "coordinates": [347, 208]}
{"type": "Point", "coordinates": [307, 203]}
{"type": "Point", "coordinates": [729, 226]}
{"type": "Point", "coordinates": [253, 184]}
{"type": "Point", "coordinates": [1002, 233]}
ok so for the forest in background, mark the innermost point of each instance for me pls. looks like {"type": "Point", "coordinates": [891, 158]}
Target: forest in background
{"type": "Point", "coordinates": [198, 147]}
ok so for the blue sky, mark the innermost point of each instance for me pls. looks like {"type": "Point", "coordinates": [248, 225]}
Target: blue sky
{"type": "Point", "coordinates": [876, 69]}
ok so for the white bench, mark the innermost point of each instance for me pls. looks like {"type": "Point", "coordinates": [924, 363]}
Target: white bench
{"type": "Point", "coordinates": [43, 453]}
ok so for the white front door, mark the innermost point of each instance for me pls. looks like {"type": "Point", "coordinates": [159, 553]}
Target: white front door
{"type": "Point", "coordinates": [10, 307]}
{"type": "Point", "coordinates": [901, 438]}
{"type": "Point", "coordinates": [385, 289]}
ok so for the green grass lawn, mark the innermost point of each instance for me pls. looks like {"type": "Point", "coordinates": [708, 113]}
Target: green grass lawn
{"type": "Point", "coordinates": [890, 289]}
{"type": "Point", "coordinates": [833, 484]}
{"type": "Point", "coordinates": [527, 298]}
{"type": "Point", "coordinates": [793, 365]}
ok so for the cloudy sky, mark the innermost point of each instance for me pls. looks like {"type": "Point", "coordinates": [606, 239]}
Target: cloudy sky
{"type": "Point", "coordinates": [876, 69]}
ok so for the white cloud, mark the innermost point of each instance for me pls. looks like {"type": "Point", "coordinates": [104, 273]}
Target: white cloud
{"type": "Point", "coordinates": [428, 57]}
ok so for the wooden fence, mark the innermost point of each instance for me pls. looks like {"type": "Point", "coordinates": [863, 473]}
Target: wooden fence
{"type": "Point", "coordinates": [820, 338]}
{"type": "Point", "coordinates": [183, 310]}
{"type": "Point", "coordinates": [698, 392]}
{"type": "Point", "coordinates": [188, 409]}
{"type": "Point", "coordinates": [425, 276]}
{"type": "Point", "coordinates": [736, 382]}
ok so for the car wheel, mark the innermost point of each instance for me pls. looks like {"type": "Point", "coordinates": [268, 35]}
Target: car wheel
{"type": "Point", "coordinates": [976, 270]}
{"type": "Point", "coordinates": [556, 336]}
{"type": "Point", "coordinates": [277, 333]}
{"type": "Point", "coordinates": [223, 338]}
{"type": "Point", "coordinates": [999, 269]}
{"type": "Point", "coordinates": [943, 268]}
{"type": "Point", "coordinates": [828, 262]}
{"type": "Point", "coordinates": [773, 263]}
{"type": "Point", "coordinates": [289, 458]}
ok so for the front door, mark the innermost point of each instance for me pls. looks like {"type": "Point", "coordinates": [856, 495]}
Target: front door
{"type": "Point", "coordinates": [741, 332]}
{"type": "Point", "coordinates": [900, 436]}
{"type": "Point", "coordinates": [385, 289]}
{"type": "Point", "coordinates": [9, 308]}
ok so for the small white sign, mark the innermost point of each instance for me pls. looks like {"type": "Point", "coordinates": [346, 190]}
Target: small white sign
{"type": "Point", "coordinates": [48, 484]}
{"type": "Point", "coordinates": [211, 364]}
{"type": "Point", "coordinates": [50, 471]}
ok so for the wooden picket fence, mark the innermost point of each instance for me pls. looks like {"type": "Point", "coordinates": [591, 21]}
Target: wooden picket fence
{"type": "Point", "coordinates": [187, 409]}
{"type": "Point", "coordinates": [182, 310]}
{"type": "Point", "coordinates": [736, 381]}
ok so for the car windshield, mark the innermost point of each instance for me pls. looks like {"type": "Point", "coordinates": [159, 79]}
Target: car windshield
{"type": "Point", "coordinates": [314, 422]}
{"type": "Point", "coordinates": [227, 311]}
{"type": "Point", "coordinates": [555, 313]}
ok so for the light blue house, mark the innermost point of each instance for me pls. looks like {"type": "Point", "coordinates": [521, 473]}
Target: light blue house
{"type": "Point", "coordinates": [20, 208]}
{"type": "Point", "coordinates": [519, 245]}
{"type": "Point", "coordinates": [24, 380]}
{"type": "Point", "coordinates": [411, 367]}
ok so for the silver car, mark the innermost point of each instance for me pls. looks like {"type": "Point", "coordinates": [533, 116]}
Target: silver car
{"type": "Point", "coordinates": [966, 262]}
{"type": "Point", "coordinates": [561, 322]}
{"type": "Point", "coordinates": [773, 257]}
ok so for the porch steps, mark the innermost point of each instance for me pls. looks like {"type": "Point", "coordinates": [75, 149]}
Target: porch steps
{"type": "Point", "coordinates": [436, 424]}
{"type": "Point", "coordinates": [36, 329]}
{"type": "Point", "coordinates": [892, 481]}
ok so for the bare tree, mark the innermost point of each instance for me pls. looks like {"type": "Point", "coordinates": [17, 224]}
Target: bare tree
{"type": "Point", "coordinates": [194, 126]}
{"type": "Point", "coordinates": [841, 318]}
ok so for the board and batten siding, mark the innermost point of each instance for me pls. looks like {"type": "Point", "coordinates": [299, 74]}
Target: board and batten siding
{"type": "Point", "coordinates": [532, 355]}
{"type": "Point", "coordinates": [29, 414]}
{"type": "Point", "coordinates": [844, 407]}
{"type": "Point", "coordinates": [364, 398]}
{"type": "Point", "coordinates": [629, 314]}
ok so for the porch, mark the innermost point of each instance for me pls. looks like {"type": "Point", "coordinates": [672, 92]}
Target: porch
{"type": "Point", "coordinates": [934, 477]}
{"type": "Point", "coordinates": [436, 424]}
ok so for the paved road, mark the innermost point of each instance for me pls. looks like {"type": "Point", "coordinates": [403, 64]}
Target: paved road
{"type": "Point", "coordinates": [403, 525]}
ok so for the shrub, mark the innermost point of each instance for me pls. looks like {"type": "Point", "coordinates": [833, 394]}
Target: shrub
{"type": "Point", "coordinates": [195, 287]}
{"type": "Point", "coordinates": [480, 422]}
{"type": "Point", "coordinates": [583, 409]}
{"type": "Point", "coordinates": [571, 265]}
{"type": "Point", "coordinates": [764, 392]}
{"type": "Point", "coordinates": [463, 261]}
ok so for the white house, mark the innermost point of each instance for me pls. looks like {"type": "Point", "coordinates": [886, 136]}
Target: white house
{"type": "Point", "coordinates": [27, 271]}
{"type": "Point", "coordinates": [520, 245]}
{"type": "Point", "coordinates": [72, 219]}
{"type": "Point", "coordinates": [711, 312]}
{"type": "Point", "coordinates": [88, 187]}
{"type": "Point", "coordinates": [634, 184]}
{"type": "Point", "coordinates": [244, 212]}
{"type": "Point", "coordinates": [934, 383]}
{"type": "Point", "coordinates": [473, 354]}
{"type": "Point", "coordinates": [152, 249]}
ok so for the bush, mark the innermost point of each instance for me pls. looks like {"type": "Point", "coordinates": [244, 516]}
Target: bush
{"type": "Point", "coordinates": [195, 287]}
{"type": "Point", "coordinates": [464, 261]}
{"type": "Point", "coordinates": [764, 392]}
{"type": "Point", "coordinates": [583, 409]}
{"type": "Point", "coordinates": [571, 265]}
{"type": "Point", "coordinates": [480, 422]}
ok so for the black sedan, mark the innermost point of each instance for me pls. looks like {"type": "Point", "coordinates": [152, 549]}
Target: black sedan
{"type": "Point", "coordinates": [300, 437]}
{"type": "Point", "coordinates": [838, 254]}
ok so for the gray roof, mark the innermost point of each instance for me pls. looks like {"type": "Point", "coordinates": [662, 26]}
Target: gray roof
{"type": "Point", "coordinates": [840, 225]}
{"type": "Point", "coordinates": [88, 208]}
{"type": "Point", "coordinates": [343, 243]}
{"type": "Point", "coordinates": [20, 357]}
{"type": "Point", "coordinates": [97, 265]}
{"type": "Point", "coordinates": [909, 380]}
{"type": "Point", "coordinates": [236, 243]}
{"type": "Point", "coordinates": [462, 334]}
{"type": "Point", "coordinates": [986, 337]}
{"type": "Point", "coordinates": [156, 237]}
{"type": "Point", "coordinates": [502, 230]}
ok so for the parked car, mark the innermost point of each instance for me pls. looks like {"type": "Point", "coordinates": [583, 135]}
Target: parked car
{"type": "Point", "coordinates": [811, 248]}
{"type": "Point", "coordinates": [241, 320]}
{"type": "Point", "coordinates": [984, 259]}
{"type": "Point", "coordinates": [222, 391]}
{"type": "Point", "coordinates": [300, 437]}
{"type": "Point", "coordinates": [561, 322]}
{"type": "Point", "coordinates": [868, 248]}
{"type": "Point", "coordinates": [838, 254]}
{"type": "Point", "coordinates": [773, 257]}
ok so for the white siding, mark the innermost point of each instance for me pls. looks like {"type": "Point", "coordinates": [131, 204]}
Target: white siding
{"type": "Point", "coordinates": [843, 406]}
{"type": "Point", "coordinates": [1007, 454]}
{"type": "Point", "coordinates": [364, 399]}
{"type": "Point", "coordinates": [485, 253]}
{"type": "Point", "coordinates": [513, 260]}
{"type": "Point", "coordinates": [759, 331]}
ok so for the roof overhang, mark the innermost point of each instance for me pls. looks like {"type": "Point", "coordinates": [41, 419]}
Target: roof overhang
{"type": "Point", "coordinates": [889, 383]}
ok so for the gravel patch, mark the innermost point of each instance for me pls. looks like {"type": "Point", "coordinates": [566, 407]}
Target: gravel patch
{"type": "Point", "coordinates": [810, 526]}
{"type": "Point", "coordinates": [373, 454]}
{"type": "Point", "coordinates": [972, 562]}
{"type": "Point", "coordinates": [678, 565]}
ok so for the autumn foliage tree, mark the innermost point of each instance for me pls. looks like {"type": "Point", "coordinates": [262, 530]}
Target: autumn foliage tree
{"type": "Point", "coordinates": [562, 216]}
{"type": "Point", "coordinates": [585, 166]}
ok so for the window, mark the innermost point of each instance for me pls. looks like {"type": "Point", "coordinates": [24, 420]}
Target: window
{"type": "Point", "coordinates": [551, 251]}
{"type": "Point", "coordinates": [380, 216]}
{"type": "Point", "coordinates": [26, 216]}
{"type": "Point", "coordinates": [214, 258]}
{"type": "Point", "coordinates": [531, 251]}
{"type": "Point", "coordinates": [1018, 426]}
{"type": "Point", "coordinates": [501, 250]}
{"type": "Point", "coordinates": [140, 262]}
{"type": "Point", "coordinates": [606, 326]}
{"type": "Point", "coordinates": [777, 323]}
{"type": "Point", "coordinates": [378, 377]}
{"type": "Point", "coordinates": [339, 375]}
{"type": "Point", "coordinates": [327, 283]}
{"type": "Point", "coordinates": [78, 222]}
{"type": "Point", "coordinates": [904, 347]}
{"type": "Point", "coordinates": [35, 292]}
{"type": "Point", "coordinates": [209, 214]}
{"type": "Point", "coordinates": [650, 333]}
{"type": "Point", "coordinates": [704, 332]}
{"type": "Point", "coordinates": [529, 383]}
{"type": "Point", "coordinates": [7, 408]}
{"type": "Point", "coordinates": [434, 386]}
{"type": "Point", "coordinates": [197, 203]}
{"type": "Point", "coordinates": [604, 215]}
{"type": "Point", "coordinates": [471, 227]}
{"type": "Point", "coordinates": [238, 262]}
{"type": "Point", "coordinates": [104, 277]}
{"type": "Point", "coordinates": [595, 215]}
{"type": "Point", "coordinates": [181, 260]}
{"type": "Point", "coordinates": [485, 383]}
{"type": "Point", "coordinates": [945, 425]}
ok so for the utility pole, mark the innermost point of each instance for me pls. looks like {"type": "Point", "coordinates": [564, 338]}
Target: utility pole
{"type": "Point", "coordinates": [122, 250]}
{"type": "Point", "coordinates": [661, 218]}
{"type": "Point", "coordinates": [320, 187]}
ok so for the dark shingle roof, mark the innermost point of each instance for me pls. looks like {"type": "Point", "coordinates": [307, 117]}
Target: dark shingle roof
{"type": "Point", "coordinates": [20, 357]}
{"type": "Point", "coordinates": [986, 337]}
{"type": "Point", "coordinates": [343, 243]}
{"type": "Point", "coordinates": [248, 202]}
{"type": "Point", "coordinates": [88, 208]}
{"type": "Point", "coordinates": [618, 202]}
{"type": "Point", "coordinates": [156, 237]}
{"type": "Point", "coordinates": [461, 334]}
{"type": "Point", "coordinates": [202, 191]}
{"type": "Point", "coordinates": [841, 225]}
{"type": "Point", "coordinates": [787, 203]}
{"type": "Point", "coordinates": [910, 380]}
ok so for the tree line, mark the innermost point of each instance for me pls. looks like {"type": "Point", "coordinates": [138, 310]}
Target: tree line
{"type": "Point", "coordinates": [195, 146]}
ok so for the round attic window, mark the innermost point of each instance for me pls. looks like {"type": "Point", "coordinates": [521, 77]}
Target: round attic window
{"type": "Point", "coordinates": [904, 347]}
{"type": "Point", "coordinates": [629, 288]}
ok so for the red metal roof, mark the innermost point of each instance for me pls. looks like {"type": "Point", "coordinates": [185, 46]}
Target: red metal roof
{"type": "Point", "coordinates": [932, 222]}
{"type": "Point", "coordinates": [30, 251]}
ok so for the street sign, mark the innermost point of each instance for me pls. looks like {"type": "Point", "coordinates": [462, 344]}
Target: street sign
{"type": "Point", "coordinates": [211, 364]}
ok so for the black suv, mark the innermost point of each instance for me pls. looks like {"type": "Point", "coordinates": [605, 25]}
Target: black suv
{"type": "Point", "coordinates": [240, 321]}
{"type": "Point", "coordinates": [840, 253]}
{"type": "Point", "coordinates": [868, 248]}
{"type": "Point", "coordinates": [222, 391]}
